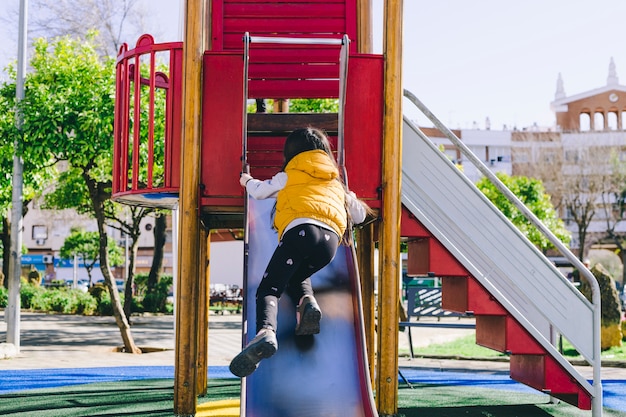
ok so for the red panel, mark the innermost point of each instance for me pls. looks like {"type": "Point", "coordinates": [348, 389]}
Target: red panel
{"type": "Point", "coordinates": [544, 373]}
{"type": "Point", "coordinates": [234, 41]}
{"type": "Point", "coordinates": [417, 257]}
{"type": "Point", "coordinates": [464, 293]}
{"type": "Point", "coordinates": [217, 26]}
{"type": "Point", "coordinates": [491, 332]}
{"type": "Point", "coordinates": [309, 18]}
{"type": "Point", "coordinates": [529, 370]}
{"type": "Point", "coordinates": [293, 89]}
{"type": "Point", "coordinates": [563, 386]}
{"type": "Point", "coordinates": [281, 25]}
{"type": "Point", "coordinates": [519, 341]}
{"type": "Point", "coordinates": [291, 9]}
{"type": "Point", "coordinates": [442, 263]}
{"type": "Point", "coordinates": [411, 227]}
{"type": "Point", "coordinates": [364, 126]}
{"type": "Point", "coordinates": [480, 301]}
{"type": "Point", "coordinates": [222, 117]}
{"type": "Point", "coordinates": [295, 70]}
{"type": "Point", "coordinates": [289, 53]}
{"type": "Point", "coordinates": [454, 294]}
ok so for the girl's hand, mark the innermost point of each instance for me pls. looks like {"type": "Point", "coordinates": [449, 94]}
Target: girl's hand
{"type": "Point", "coordinates": [243, 180]}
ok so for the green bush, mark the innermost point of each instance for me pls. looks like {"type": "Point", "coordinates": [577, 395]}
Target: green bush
{"type": "Point", "coordinates": [59, 299]}
{"type": "Point", "coordinates": [4, 297]}
{"type": "Point", "coordinates": [156, 301]}
{"type": "Point", "coordinates": [30, 294]}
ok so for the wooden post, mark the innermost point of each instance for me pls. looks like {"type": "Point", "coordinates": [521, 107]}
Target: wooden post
{"type": "Point", "coordinates": [364, 26]}
{"type": "Point", "coordinates": [203, 312]}
{"type": "Point", "coordinates": [365, 257]}
{"type": "Point", "coordinates": [185, 374]}
{"type": "Point", "coordinates": [389, 245]}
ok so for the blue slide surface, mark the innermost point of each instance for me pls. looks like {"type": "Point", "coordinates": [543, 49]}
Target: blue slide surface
{"type": "Point", "coordinates": [321, 375]}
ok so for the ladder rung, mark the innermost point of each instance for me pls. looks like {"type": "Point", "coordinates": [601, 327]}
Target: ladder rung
{"type": "Point", "coordinates": [294, 41]}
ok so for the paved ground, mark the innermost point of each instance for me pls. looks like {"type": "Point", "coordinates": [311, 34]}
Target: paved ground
{"type": "Point", "coordinates": [62, 341]}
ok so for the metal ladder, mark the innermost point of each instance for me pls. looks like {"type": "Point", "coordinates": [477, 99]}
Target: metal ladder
{"type": "Point", "coordinates": [343, 74]}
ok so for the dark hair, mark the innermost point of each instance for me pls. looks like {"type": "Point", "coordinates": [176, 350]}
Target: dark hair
{"type": "Point", "coordinates": [305, 139]}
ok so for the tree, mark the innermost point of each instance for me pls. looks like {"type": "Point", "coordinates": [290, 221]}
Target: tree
{"type": "Point", "coordinates": [613, 206]}
{"type": "Point", "coordinates": [37, 171]}
{"type": "Point", "coordinates": [68, 116]}
{"type": "Point", "coordinates": [531, 192]}
{"type": "Point", "coordinates": [114, 20]}
{"type": "Point", "coordinates": [107, 23]}
{"type": "Point", "coordinates": [86, 246]}
{"type": "Point", "coordinates": [569, 169]}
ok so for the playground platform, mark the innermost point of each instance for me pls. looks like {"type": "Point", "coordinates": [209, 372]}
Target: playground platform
{"type": "Point", "coordinates": [69, 366]}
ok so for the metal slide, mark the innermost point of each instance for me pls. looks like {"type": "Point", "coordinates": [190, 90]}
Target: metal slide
{"type": "Point", "coordinates": [321, 375]}
{"type": "Point", "coordinates": [493, 250]}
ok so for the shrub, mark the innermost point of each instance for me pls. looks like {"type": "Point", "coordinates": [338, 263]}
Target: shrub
{"type": "Point", "coordinates": [30, 294]}
{"type": "Point", "coordinates": [85, 303]}
{"type": "Point", "coordinates": [156, 301]}
{"type": "Point", "coordinates": [4, 297]}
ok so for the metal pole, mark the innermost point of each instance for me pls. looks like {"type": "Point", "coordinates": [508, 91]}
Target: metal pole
{"type": "Point", "coordinates": [15, 262]}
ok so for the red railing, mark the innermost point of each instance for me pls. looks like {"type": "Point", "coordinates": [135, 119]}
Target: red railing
{"type": "Point", "coordinates": [146, 152]}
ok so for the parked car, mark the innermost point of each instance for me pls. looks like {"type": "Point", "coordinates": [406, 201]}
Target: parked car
{"type": "Point", "coordinates": [81, 284]}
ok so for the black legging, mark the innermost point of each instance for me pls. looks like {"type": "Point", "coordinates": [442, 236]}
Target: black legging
{"type": "Point", "coordinates": [303, 250]}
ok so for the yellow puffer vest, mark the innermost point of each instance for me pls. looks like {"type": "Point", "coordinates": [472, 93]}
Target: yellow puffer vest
{"type": "Point", "coordinates": [312, 191]}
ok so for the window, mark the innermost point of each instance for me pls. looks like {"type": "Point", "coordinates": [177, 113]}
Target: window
{"type": "Point", "coordinates": [40, 232]}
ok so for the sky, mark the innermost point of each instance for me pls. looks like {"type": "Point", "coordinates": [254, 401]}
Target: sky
{"type": "Point", "coordinates": [472, 60]}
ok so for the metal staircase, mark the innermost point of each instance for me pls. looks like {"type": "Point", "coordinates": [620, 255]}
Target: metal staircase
{"type": "Point", "coordinates": [520, 300]}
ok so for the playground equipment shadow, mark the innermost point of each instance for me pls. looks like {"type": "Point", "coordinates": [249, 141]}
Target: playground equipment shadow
{"type": "Point", "coordinates": [69, 366]}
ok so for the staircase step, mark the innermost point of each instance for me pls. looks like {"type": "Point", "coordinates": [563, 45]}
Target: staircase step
{"type": "Point", "coordinates": [544, 373]}
{"type": "Point", "coordinates": [505, 334]}
{"type": "Point", "coordinates": [428, 256]}
{"type": "Point", "coordinates": [464, 294]}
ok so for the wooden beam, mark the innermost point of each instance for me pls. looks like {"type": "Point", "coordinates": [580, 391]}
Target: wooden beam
{"type": "Point", "coordinates": [364, 27]}
{"type": "Point", "coordinates": [365, 258]}
{"type": "Point", "coordinates": [203, 312]}
{"type": "Point", "coordinates": [185, 374]}
{"type": "Point", "coordinates": [389, 245]}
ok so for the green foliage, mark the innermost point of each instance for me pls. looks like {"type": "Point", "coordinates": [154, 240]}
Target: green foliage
{"type": "Point", "coordinates": [86, 245]}
{"type": "Point", "coordinates": [302, 105]}
{"type": "Point", "coordinates": [30, 295]}
{"type": "Point", "coordinates": [4, 297]}
{"type": "Point", "coordinates": [532, 193]}
{"type": "Point", "coordinates": [69, 101]}
{"type": "Point", "coordinates": [308, 105]}
{"type": "Point", "coordinates": [155, 301]}
{"type": "Point", "coordinates": [59, 299]}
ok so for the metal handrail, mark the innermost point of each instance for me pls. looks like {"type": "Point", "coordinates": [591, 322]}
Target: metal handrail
{"type": "Point", "coordinates": [589, 277]}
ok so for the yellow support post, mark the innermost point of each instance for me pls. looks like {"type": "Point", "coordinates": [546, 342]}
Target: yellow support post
{"type": "Point", "coordinates": [364, 26]}
{"type": "Point", "coordinates": [365, 259]}
{"type": "Point", "coordinates": [203, 312]}
{"type": "Point", "coordinates": [389, 244]}
{"type": "Point", "coordinates": [185, 374]}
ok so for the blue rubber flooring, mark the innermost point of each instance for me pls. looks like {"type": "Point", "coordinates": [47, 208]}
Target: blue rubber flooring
{"type": "Point", "coordinates": [21, 380]}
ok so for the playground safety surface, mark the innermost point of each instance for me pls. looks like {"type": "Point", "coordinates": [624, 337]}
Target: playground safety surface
{"type": "Point", "coordinates": [70, 366]}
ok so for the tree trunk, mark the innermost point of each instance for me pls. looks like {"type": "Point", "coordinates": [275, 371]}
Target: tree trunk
{"type": "Point", "coordinates": [128, 290]}
{"type": "Point", "coordinates": [5, 237]}
{"type": "Point", "coordinates": [160, 226]}
{"type": "Point", "coordinates": [116, 304]}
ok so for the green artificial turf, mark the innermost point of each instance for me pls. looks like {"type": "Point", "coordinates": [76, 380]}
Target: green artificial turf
{"type": "Point", "coordinates": [450, 401]}
{"type": "Point", "coordinates": [466, 347]}
{"type": "Point", "coordinates": [154, 398]}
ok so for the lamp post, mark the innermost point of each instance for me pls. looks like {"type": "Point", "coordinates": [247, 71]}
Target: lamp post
{"type": "Point", "coordinates": [15, 262]}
